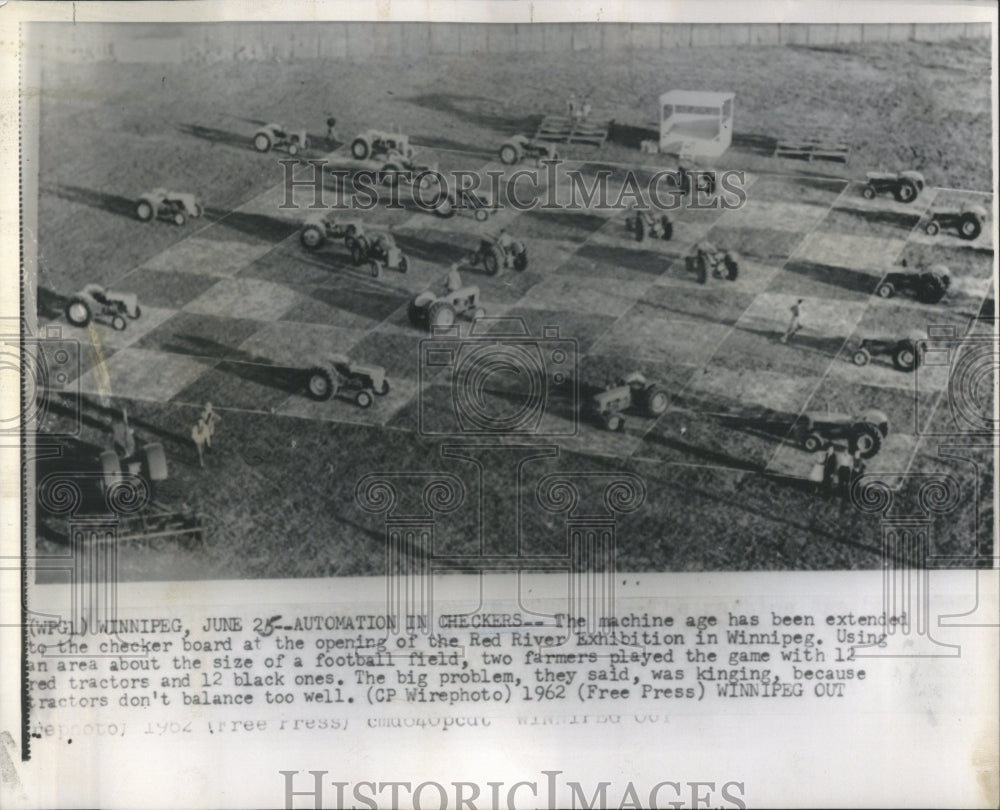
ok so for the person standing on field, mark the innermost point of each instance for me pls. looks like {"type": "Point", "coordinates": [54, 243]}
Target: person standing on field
{"type": "Point", "coordinates": [795, 324]}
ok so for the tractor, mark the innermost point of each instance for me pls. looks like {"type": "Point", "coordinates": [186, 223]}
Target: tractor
{"type": "Point", "coordinates": [318, 229]}
{"type": "Point", "coordinates": [705, 258]}
{"type": "Point", "coordinates": [864, 432]}
{"type": "Point", "coordinates": [447, 206]}
{"type": "Point", "coordinates": [374, 144]}
{"type": "Point", "coordinates": [929, 286]}
{"type": "Point", "coordinates": [904, 186]}
{"type": "Point", "coordinates": [96, 303]}
{"type": "Point", "coordinates": [905, 352]}
{"type": "Point", "coordinates": [275, 136]}
{"type": "Point", "coordinates": [515, 149]}
{"type": "Point", "coordinates": [630, 393]}
{"type": "Point", "coordinates": [172, 205]}
{"type": "Point", "coordinates": [499, 253]}
{"type": "Point", "coordinates": [967, 220]}
{"type": "Point", "coordinates": [428, 310]}
{"type": "Point", "coordinates": [379, 250]}
{"type": "Point", "coordinates": [399, 164]}
{"type": "Point", "coordinates": [642, 223]}
{"type": "Point", "coordinates": [339, 376]}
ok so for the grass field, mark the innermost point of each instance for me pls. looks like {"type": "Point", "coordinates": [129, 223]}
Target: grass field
{"type": "Point", "coordinates": [234, 310]}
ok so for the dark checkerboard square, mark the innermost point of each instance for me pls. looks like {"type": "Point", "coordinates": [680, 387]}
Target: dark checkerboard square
{"type": "Point", "coordinates": [200, 335]}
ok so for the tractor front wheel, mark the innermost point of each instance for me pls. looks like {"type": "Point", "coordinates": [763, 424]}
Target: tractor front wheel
{"type": "Point", "coordinates": [970, 227]}
{"type": "Point", "coordinates": [481, 215]}
{"type": "Point", "coordinates": [732, 266]}
{"type": "Point", "coordinates": [862, 357]}
{"type": "Point", "coordinates": [144, 211]}
{"type": "Point", "coordinates": [293, 149]}
{"type": "Point", "coordinates": [360, 148]}
{"type": "Point", "coordinates": [904, 357]}
{"type": "Point", "coordinates": [403, 265]}
{"type": "Point", "coordinates": [885, 290]}
{"type": "Point", "coordinates": [375, 269]}
{"type": "Point", "coordinates": [666, 228]}
{"type": "Point", "coordinates": [357, 252]}
{"type": "Point", "coordinates": [814, 442]}
{"type": "Point", "coordinates": [179, 218]}
{"type": "Point", "coordinates": [363, 399]}
{"type": "Point", "coordinates": [312, 237]}
{"type": "Point", "coordinates": [118, 323]}
{"type": "Point", "coordinates": [701, 268]}
{"type": "Point", "coordinates": [78, 311]}
{"type": "Point", "coordinates": [932, 228]}
{"type": "Point", "coordinates": [444, 207]}
{"type": "Point", "coordinates": [321, 385]}
{"type": "Point", "coordinates": [262, 142]}
{"type": "Point", "coordinates": [640, 228]}
{"type": "Point", "coordinates": [509, 154]}
{"type": "Point", "coordinates": [614, 422]}
{"type": "Point", "coordinates": [868, 192]}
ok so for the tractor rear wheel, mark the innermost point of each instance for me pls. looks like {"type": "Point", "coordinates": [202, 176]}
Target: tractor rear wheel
{"type": "Point", "coordinates": [155, 461]}
{"type": "Point", "coordinates": [493, 260]}
{"type": "Point", "coordinates": [403, 264]}
{"type": "Point", "coordinates": [654, 401]}
{"type": "Point", "coordinates": [521, 258]}
{"type": "Point", "coordinates": [813, 442]}
{"type": "Point", "coordinates": [509, 154]}
{"type": "Point", "coordinates": [360, 148]}
{"type": "Point", "coordinates": [868, 192]}
{"type": "Point", "coordinates": [262, 142]}
{"type": "Point", "coordinates": [440, 313]}
{"type": "Point", "coordinates": [363, 398]}
{"type": "Point", "coordinates": [885, 290]}
{"type": "Point", "coordinates": [904, 356]}
{"type": "Point", "coordinates": [666, 228]}
{"type": "Point", "coordinates": [312, 237]}
{"type": "Point", "coordinates": [321, 384]}
{"type": "Point", "coordinates": [358, 251]}
{"type": "Point", "coordinates": [862, 357]}
{"type": "Point", "coordinates": [732, 266]}
{"type": "Point", "coordinates": [970, 226]}
{"type": "Point", "coordinates": [78, 311]}
{"type": "Point", "coordinates": [867, 440]}
{"type": "Point", "coordinates": [640, 228]}
{"type": "Point", "coordinates": [932, 228]}
{"type": "Point", "coordinates": [931, 290]}
{"type": "Point", "coordinates": [375, 268]}
{"type": "Point", "coordinates": [906, 192]}
{"type": "Point", "coordinates": [701, 268]}
{"type": "Point", "coordinates": [144, 211]}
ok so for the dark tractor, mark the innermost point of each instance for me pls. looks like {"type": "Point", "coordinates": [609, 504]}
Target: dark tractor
{"type": "Point", "coordinates": [905, 352]}
{"type": "Point", "coordinates": [705, 259]}
{"type": "Point", "coordinates": [632, 393]}
{"type": "Point", "coordinates": [864, 432]}
{"type": "Point", "coordinates": [928, 286]}
{"type": "Point", "coordinates": [643, 224]}
{"type": "Point", "coordinates": [339, 376]}
{"type": "Point", "coordinates": [967, 221]}
{"type": "Point", "coordinates": [904, 186]}
{"type": "Point", "coordinates": [499, 254]}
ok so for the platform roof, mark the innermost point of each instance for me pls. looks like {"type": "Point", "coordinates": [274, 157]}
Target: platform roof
{"type": "Point", "coordinates": [696, 97]}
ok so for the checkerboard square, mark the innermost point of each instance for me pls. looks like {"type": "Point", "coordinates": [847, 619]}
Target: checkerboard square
{"type": "Point", "coordinates": [244, 386]}
{"type": "Point", "coordinates": [210, 257]}
{"type": "Point", "coordinates": [142, 374]}
{"type": "Point", "coordinates": [168, 289]}
{"type": "Point", "coordinates": [819, 317]}
{"type": "Point", "coordinates": [207, 336]}
{"type": "Point", "coordinates": [776, 215]}
{"type": "Point", "coordinates": [286, 343]}
{"type": "Point", "coordinates": [560, 292]}
{"type": "Point", "coordinates": [646, 335]}
{"type": "Point", "coordinates": [245, 298]}
{"type": "Point", "coordinates": [869, 253]}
